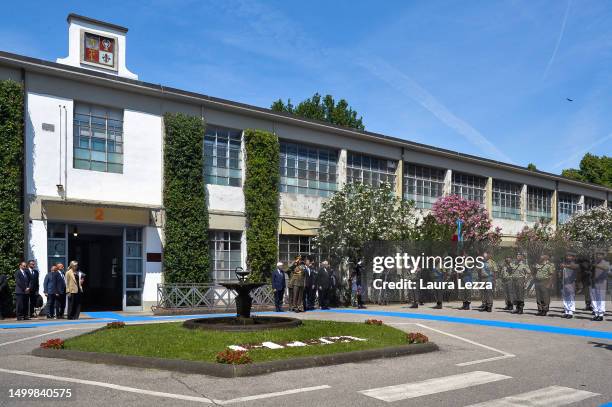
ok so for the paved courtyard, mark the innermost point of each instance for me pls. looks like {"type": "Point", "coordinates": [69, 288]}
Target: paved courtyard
{"type": "Point", "coordinates": [488, 359]}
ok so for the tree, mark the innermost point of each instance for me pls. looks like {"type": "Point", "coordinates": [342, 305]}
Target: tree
{"type": "Point", "coordinates": [358, 214]}
{"type": "Point", "coordinates": [531, 167]}
{"type": "Point", "coordinates": [323, 109]}
{"type": "Point", "coordinates": [476, 222]}
{"type": "Point", "coordinates": [590, 227]}
{"type": "Point", "coordinates": [593, 168]}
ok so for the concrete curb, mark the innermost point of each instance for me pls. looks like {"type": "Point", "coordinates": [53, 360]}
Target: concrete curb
{"type": "Point", "coordinates": [222, 370]}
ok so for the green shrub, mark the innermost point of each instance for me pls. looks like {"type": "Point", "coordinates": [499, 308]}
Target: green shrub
{"type": "Point", "coordinates": [11, 192]}
{"type": "Point", "coordinates": [261, 201]}
{"type": "Point", "coordinates": [186, 257]}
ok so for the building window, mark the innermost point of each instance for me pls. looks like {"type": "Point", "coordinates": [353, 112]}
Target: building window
{"type": "Point", "coordinates": [506, 200]}
{"type": "Point", "coordinates": [423, 185]}
{"type": "Point", "coordinates": [225, 254]}
{"type": "Point", "coordinates": [590, 203]}
{"type": "Point", "coordinates": [568, 205]}
{"type": "Point", "coordinates": [307, 170]}
{"type": "Point", "coordinates": [539, 204]}
{"type": "Point", "coordinates": [98, 138]}
{"type": "Point", "coordinates": [222, 158]}
{"type": "Point", "coordinates": [289, 246]}
{"type": "Point", "coordinates": [370, 170]}
{"type": "Point", "coordinates": [470, 187]}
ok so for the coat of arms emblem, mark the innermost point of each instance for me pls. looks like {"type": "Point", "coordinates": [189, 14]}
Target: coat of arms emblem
{"type": "Point", "coordinates": [99, 50]}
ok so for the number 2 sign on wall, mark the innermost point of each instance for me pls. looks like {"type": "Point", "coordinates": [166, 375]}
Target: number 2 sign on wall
{"type": "Point", "coordinates": [99, 214]}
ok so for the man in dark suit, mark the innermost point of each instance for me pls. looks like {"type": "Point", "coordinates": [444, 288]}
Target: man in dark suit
{"type": "Point", "coordinates": [34, 286]}
{"type": "Point", "coordinates": [5, 296]}
{"type": "Point", "coordinates": [278, 284]}
{"type": "Point", "coordinates": [310, 285]}
{"type": "Point", "coordinates": [323, 285]}
{"type": "Point", "coordinates": [51, 287]}
{"type": "Point", "coordinates": [60, 303]}
{"type": "Point", "coordinates": [22, 291]}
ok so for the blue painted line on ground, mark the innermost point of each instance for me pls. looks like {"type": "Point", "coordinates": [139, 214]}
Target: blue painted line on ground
{"type": "Point", "coordinates": [493, 323]}
{"type": "Point", "coordinates": [109, 317]}
{"type": "Point", "coordinates": [104, 315]}
{"type": "Point", "coordinates": [609, 404]}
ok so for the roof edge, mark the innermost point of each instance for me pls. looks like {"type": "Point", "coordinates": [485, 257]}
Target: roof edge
{"type": "Point", "coordinates": [24, 61]}
{"type": "Point", "coordinates": [73, 16]}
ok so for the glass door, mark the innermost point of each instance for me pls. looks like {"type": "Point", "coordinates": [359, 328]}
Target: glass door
{"type": "Point", "coordinates": [57, 244]}
{"type": "Point", "coordinates": [133, 281]}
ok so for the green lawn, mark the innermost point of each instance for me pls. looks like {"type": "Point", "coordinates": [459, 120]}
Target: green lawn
{"type": "Point", "coordinates": [172, 341]}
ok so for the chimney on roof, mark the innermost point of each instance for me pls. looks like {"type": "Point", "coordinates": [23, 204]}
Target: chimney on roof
{"type": "Point", "coordinates": [96, 45]}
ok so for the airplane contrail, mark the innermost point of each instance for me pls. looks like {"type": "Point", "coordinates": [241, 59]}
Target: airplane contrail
{"type": "Point", "coordinates": [561, 33]}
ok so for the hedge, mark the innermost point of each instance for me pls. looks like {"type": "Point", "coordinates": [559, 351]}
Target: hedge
{"type": "Point", "coordinates": [11, 192]}
{"type": "Point", "coordinates": [186, 257]}
{"type": "Point", "coordinates": [261, 201]}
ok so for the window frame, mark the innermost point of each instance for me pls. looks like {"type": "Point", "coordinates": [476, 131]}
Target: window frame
{"type": "Point", "coordinates": [429, 182]}
{"type": "Point", "coordinates": [111, 135]}
{"type": "Point", "coordinates": [217, 237]}
{"type": "Point", "coordinates": [358, 162]}
{"type": "Point", "coordinates": [303, 169]}
{"type": "Point", "coordinates": [211, 172]}
{"type": "Point", "coordinates": [469, 183]}
{"type": "Point", "coordinates": [506, 203]}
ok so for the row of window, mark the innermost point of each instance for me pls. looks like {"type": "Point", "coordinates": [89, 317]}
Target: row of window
{"type": "Point", "coordinates": [310, 170]}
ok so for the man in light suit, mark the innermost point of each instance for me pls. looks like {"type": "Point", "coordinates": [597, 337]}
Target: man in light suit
{"type": "Point", "coordinates": [278, 284]}
{"type": "Point", "coordinates": [22, 292]}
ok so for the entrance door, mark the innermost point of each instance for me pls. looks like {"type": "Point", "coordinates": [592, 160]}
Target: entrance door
{"type": "Point", "coordinates": [99, 252]}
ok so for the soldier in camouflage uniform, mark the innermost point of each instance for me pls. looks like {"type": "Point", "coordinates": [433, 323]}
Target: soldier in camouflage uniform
{"type": "Point", "coordinates": [488, 276]}
{"type": "Point", "coordinates": [506, 283]}
{"type": "Point", "coordinates": [518, 272]}
{"type": "Point", "coordinates": [297, 283]}
{"type": "Point", "coordinates": [544, 271]}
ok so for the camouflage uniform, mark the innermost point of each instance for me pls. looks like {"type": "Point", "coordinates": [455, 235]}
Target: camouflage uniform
{"type": "Point", "coordinates": [488, 276]}
{"type": "Point", "coordinates": [518, 272]}
{"type": "Point", "coordinates": [543, 274]}
{"type": "Point", "coordinates": [297, 283]}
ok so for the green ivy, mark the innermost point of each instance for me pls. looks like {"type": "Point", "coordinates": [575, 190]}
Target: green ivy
{"type": "Point", "coordinates": [11, 193]}
{"type": "Point", "coordinates": [261, 201]}
{"type": "Point", "coordinates": [186, 257]}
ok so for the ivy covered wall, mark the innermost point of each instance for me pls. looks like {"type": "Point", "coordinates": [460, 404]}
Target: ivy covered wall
{"type": "Point", "coordinates": [11, 164]}
{"type": "Point", "coordinates": [261, 201]}
{"type": "Point", "coordinates": [186, 256]}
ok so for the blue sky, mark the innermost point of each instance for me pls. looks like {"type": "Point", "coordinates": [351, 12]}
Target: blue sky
{"type": "Point", "coordinates": [488, 78]}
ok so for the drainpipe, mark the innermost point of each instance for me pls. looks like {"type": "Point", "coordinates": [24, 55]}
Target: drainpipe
{"type": "Point", "coordinates": [25, 207]}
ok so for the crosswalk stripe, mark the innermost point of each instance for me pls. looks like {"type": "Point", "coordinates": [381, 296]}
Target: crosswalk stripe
{"type": "Point", "coordinates": [433, 386]}
{"type": "Point", "coordinates": [552, 396]}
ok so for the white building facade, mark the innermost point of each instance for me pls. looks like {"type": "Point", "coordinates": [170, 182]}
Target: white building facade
{"type": "Point", "coordinates": [94, 170]}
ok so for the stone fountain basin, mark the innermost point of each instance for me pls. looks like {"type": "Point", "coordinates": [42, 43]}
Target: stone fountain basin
{"type": "Point", "coordinates": [238, 324]}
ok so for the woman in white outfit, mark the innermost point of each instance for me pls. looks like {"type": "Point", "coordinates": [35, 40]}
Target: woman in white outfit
{"type": "Point", "coordinates": [570, 270]}
{"type": "Point", "coordinates": [598, 288]}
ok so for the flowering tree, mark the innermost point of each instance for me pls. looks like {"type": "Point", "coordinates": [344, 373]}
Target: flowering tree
{"type": "Point", "coordinates": [592, 226]}
{"type": "Point", "coordinates": [476, 222]}
{"type": "Point", "coordinates": [360, 213]}
{"type": "Point", "coordinates": [539, 239]}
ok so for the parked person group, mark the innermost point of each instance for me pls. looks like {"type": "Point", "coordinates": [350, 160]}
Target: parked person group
{"type": "Point", "coordinates": [61, 289]}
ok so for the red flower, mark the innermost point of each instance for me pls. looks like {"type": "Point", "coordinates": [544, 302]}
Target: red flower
{"type": "Point", "coordinates": [416, 337]}
{"type": "Point", "coordinates": [56, 343]}
{"type": "Point", "coordinates": [234, 357]}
